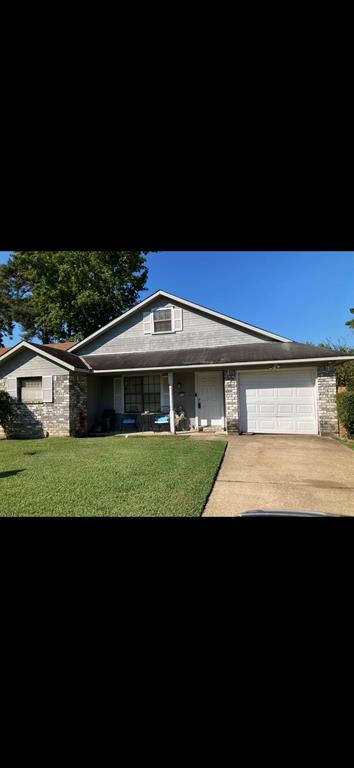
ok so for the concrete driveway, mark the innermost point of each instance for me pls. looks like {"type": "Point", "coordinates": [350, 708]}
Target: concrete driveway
{"type": "Point", "coordinates": [314, 474]}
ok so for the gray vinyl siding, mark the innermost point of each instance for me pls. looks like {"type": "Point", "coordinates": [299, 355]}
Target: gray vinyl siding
{"type": "Point", "coordinates": [199, 330]}
{"type": "Point", "coordinates": [27, 363]}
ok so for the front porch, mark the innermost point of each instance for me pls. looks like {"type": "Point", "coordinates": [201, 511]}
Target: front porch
{"type": "Point", "coordinates": [155, 402]}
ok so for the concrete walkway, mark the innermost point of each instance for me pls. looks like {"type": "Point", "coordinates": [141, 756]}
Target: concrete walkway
{"type": "Point", "coordinates": [313, 474]}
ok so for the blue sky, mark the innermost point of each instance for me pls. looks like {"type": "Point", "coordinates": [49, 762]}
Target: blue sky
{"type": "Point", "coordinates": [304, 296]}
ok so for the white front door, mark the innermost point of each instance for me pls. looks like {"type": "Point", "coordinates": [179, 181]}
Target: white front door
{"type": "Point", "coordinates": [278, 402]}
{"type": "Point", "coordinates": [210, 405]}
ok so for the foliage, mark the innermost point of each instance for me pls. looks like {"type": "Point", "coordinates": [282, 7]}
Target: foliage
{"type": "Point", "coordinates": [345, 370]}
{"type": "Point", "coordinates": [61, 295]}
{"type": "Point", "coordinates": [6, 410]}
{"type": "Point", "coordinates": [6, 317]}
{"type": "Point", "coordinates": [345, 404]}
{"type": "Point", "coordinates": [135, 477]}
{"type": "Point", "coordinates": [351, 322]}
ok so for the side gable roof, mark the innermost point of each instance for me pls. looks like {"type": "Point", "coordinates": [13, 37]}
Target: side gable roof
{"type": "Point", "coordinates": [66, 359]}
{"type": "Point", "coordinates": [190, 304]}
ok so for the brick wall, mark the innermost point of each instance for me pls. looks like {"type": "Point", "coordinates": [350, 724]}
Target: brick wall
{"type": "Point", "coordinates": [66, 415]}
{"type": "Point", "coordinates": [40, 419]}
{"type": "Point", "coordinates": [327, 404]}
{"type": "Point", "coordinates": [231, 400]}
{"type": "Point", "coordinates": [78, 403]}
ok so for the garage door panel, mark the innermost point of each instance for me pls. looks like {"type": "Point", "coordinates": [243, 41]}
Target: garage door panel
{"type": "Point", "coordinates": [286, 426]}
{"type": "Point", "coordinates": [252, 425]}
{"type": "Point", "coordinates": [252, 409]}
{"type": "Point", "coordinates": [267, 409]}
{"type": "Point", "coordinates": [304, 427]}
{"type": "Point", "coordinates": [286, 409]}
{"type": "Point", "coordinates": [267, 425]}
{"type": "Point", "coordinates": [304, 410]}
{"type": "Point", "coordinates": [266, 394]}
{"type": "Point", "coordinates": [278, 402]}
{"type": "Point", "coordinates": [286, 393]}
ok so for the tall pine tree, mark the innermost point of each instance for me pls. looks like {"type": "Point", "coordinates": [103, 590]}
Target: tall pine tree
{"type": "Point", "coordinates": [6, 310]}
{"type": "Point", "coordinates": [351, 322]}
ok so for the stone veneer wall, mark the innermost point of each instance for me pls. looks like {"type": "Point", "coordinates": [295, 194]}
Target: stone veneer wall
{"type": "Point", "coordinates": [78, 403]}
{"type": "Point", "coordinates": [38, 419]}
{"type": "Point", "coordinates": [327, 403]}
{"type": "Point", "coordinates": [231, 400]}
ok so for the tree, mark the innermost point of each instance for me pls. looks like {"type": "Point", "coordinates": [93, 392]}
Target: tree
{"type": "Point", "coordinates": [345, 370]}
{"type": "Point", "coordinates": [351, 322]}
{"type": "Point", "coordinates": [345, 403]}
{"type": "Point", "coordinates": [7, 409]}
{"type": "Point", "coordinates": [61, 295]}
{"type": "Point", "coordinates": [6, 321]}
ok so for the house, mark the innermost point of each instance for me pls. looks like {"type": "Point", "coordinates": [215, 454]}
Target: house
{"type": "Point", "coordinates": [165, 355]}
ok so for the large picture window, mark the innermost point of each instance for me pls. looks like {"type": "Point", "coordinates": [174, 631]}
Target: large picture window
{"type": "Point", "coordinates": [141, 393]}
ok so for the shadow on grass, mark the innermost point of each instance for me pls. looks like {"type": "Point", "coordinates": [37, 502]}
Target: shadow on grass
{"type": "Point", "coordinates": [11, 473]}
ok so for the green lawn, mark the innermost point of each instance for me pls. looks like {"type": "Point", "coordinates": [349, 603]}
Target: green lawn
{"type": "Point", "coordinates": [113, 476]}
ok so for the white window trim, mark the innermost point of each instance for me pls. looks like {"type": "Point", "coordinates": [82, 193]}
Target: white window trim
{"type": "Point", "coordinates": [163, 309]}
{"type": "Point", "coordinates": [140, 375]}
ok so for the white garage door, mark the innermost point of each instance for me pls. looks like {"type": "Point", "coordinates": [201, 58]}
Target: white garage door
{"type": "Point", "coordinates": [278, 402]}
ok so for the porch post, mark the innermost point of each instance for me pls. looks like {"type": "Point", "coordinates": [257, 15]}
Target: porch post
{"type": "Point", "coordinates": [172, 410]}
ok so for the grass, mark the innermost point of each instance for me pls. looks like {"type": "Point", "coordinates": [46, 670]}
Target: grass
{"type": "Point", "coordinates": [348, 443]}
{"type": "Point", "coordinates": [112, 476]}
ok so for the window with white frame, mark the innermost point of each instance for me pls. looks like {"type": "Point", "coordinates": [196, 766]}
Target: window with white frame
{"type": "Point", "coordinates": [31, 390]}
{"type": "Point", "coordinates": [142, 393]}
{"type": "Point", "coordinates": [162, 319]}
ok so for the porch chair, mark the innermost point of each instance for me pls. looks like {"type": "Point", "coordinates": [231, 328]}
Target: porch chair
{"type": "Point", "coordinates": [162, 424]}
{"type": "Point", "coordinates": [128, 423]}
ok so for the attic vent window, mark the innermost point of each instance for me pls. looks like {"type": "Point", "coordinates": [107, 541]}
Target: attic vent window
{"type": "Point", "coordinates": [163, 320]}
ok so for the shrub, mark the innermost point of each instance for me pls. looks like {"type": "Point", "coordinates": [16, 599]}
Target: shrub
{"type": "Point", "coordinates": [345, 404]}
{"type": "Point", "coordinates": [345, 374]}
{"type": "Point", "coordinates": [7, 408]}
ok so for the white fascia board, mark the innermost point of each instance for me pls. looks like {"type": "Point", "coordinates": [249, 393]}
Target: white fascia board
{"type": "Point", "coordinates": [32, 348]}
{"type": "Point", "coordinates": [186, 303]}
{"type": "Point", "coordinates": [225, 365]}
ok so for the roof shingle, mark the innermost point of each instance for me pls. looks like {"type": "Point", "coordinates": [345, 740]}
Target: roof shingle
{"type": "Point", "coordinates": [233, 354]}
